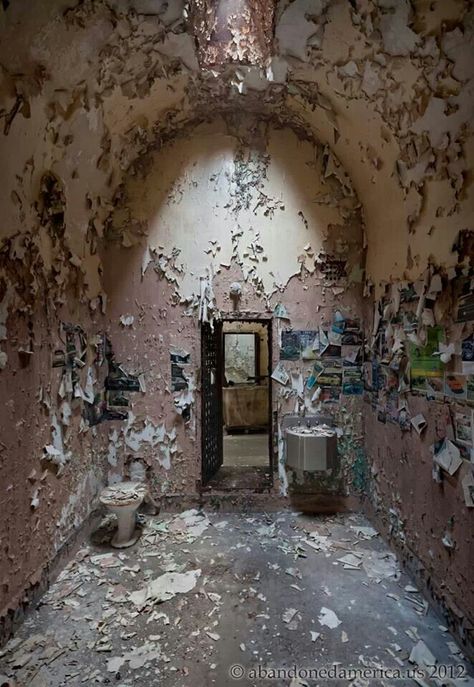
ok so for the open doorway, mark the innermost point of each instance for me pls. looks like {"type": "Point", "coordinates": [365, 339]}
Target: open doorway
{"type": "Point", "coordinates": [237, 433]}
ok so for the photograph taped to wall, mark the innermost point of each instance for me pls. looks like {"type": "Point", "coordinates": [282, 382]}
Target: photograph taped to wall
{"type": "Point", "coordinates": [464, 427]}
{"type": "Point", "coordinates": [290, 345]}
{"type": "Point", "coordinates": [350, 355]}
{"type": "Point", "coordinates": [332, 351]}
{"type": "Point", "coordinates": [455, 385]}
{"type": "Point", "coordinates": [330, 377]}
{"type": "Point", "coordinates": [330, 394]}
{"type": "Point", "coordinates": [280, 375]}
{"type": "Point", "coordinates": [179, 359]}
{"type": "Point", "coordinates": [352, 384]}
{"type": "Point", "coordinates": [434, 387]}
{"type": "Point", "coordinates": [309, 344]}
{"type": "Point", "coordinates": [470, 387]}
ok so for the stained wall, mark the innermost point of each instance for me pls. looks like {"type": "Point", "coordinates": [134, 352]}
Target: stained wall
{"type": "Point", "coordinates": [90, 92]}
{"type": "Point", "coordinates": [254, 209]}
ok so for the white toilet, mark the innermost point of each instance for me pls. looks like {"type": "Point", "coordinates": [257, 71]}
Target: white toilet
{"type": "Point", "coordinates": [123, 499]}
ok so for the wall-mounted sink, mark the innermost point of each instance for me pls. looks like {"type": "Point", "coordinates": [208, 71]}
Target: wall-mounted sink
{"type": "Point", "coordinates": [311, 448]}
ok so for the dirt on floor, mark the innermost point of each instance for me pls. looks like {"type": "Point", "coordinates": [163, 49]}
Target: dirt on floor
{"type": "Point", "coordinates": [235, 599]}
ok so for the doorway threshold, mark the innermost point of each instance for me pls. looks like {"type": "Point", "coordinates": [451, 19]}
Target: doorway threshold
{"type": "Point", "coordinates": [241, 478]}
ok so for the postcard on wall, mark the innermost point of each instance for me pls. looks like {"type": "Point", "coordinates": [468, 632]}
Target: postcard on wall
{"type": "Point", "coordinates": [455, 385]}
{"type": "Point", "coordinates": [467, 355]}
{"type": "Point", "coordinates": [313, 377]}
{"type": "Point", "coordinates": [419, 423]}
{"type": "Point", "coordinates": [330, 394]}
{"type": "Point", "coordinates": [389, 378]}
{"type": "Point", "coordinates": [468, 488]}
{"type": "Point", "coordinates": [447, 456]}
{"type": "Point", "coordinates": [434, 387]}
{"type": "Point", "coordinates": [280, 375]}
{"type": "Point", "coordinates": [290, 345]}
{"type": "Point", "coordinates": [352, 384]}
{"type": "Point", "coordinates": [332, 351]}
{"type": "Point", "coordinates": [464, 427]}
{"type": "Point", "coordinates": [335, 338]}
{"type": "Point", "coordinates": [350, 354]}
{"type": "Point", "coordinates": [281, 312]}
{"type": "Point", "coordinates": [330, 378]}
{"type": "Point", "coordinates": [309, 344]}
{"type": "Point", "coordinates": [470, 387]}
{"type": "Point", "coordinates": [180, 361]}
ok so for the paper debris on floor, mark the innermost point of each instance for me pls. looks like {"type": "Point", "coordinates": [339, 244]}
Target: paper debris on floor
{"type": "Point", "coordinates": [380, 566]}
{"type": "Point", "coordinates": [191, 524]}
{"type": "Point", "coordinates": [165, 587]}
{"type": "Point", "coordinates": [365, 532]}
{"type": "Point", "coordinates": [136, 658]}
{"type": "Point", "coordinates": [328, 618]}
{"type": "Point", "coordinates": [421, 655]}
{"type": "Point", "coordinates": [351, 561]}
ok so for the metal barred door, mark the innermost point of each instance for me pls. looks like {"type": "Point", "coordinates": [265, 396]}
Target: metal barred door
{"type": "Point", "coordinates": [211, 399]}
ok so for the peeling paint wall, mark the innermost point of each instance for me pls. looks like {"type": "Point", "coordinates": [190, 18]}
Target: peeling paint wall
{"type": "Point", "coordinates": [118, 139]}
{"type": "Point", "coordinates": [419, 429]}
{"type": "Point", "coordinates": [239, 201]}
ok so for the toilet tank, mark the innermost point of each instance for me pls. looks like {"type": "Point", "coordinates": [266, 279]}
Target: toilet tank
{"type": "Point", "coordinates": [312, 449]}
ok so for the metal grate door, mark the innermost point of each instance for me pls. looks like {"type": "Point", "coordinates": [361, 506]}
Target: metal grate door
{"type": "Point", "coordinates": [211, 399]}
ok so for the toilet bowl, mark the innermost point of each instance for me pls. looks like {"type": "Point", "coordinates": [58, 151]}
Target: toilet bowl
{"type": "Point", "coordinates": [123, 499]}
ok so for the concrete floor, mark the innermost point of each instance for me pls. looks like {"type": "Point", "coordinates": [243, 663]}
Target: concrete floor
{"type": "Point", "coordinates": [267, 585]}
{"type": "Point", "coordinates": [246, 449]}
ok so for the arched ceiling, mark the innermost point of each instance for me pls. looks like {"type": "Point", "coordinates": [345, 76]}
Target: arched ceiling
{"type": "Point", "coordinates": [87, 87]}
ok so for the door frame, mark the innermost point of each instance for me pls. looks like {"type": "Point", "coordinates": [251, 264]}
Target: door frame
{"type": "Point", "coordinates": [267, 321]}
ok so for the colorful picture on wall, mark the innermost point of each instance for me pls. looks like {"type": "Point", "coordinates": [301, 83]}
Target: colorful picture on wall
{"type": "Point", "coordinates": [330, 378]}
{"type": "Point", "coordinates": [290, 345]}
{"type": "Point", "coordinates": [352, 384]}
{"type": "Point", "coordinates": [313, 377]}
{"type": "Point", "coordinates": [330, 394]}
{"type": "Point", "coordinates": [332, 351]}
{"type": "Point", "coordinates": [423, 361]}
{"type": "Point", "coordinates": [351, 337]}
{"type": "Point", "coordinates": [434, 387]}
{"type": "Point", "coordinates": [467, 355]}
{"type": "Point", "coordinates": [470, 387]}
{"type": "Point", "coordinates": [455, 385]}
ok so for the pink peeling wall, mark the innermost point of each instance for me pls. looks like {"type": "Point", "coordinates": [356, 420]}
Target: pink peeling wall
{"type": "Point", "coordinates": [415, 512]}
{"type": "Point", "coordinates": [40, 508]}
{"type": "Point", "coordinates": [161, 323]}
